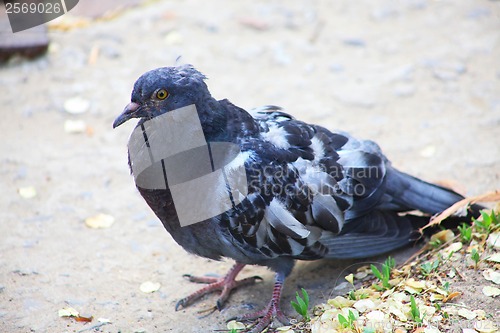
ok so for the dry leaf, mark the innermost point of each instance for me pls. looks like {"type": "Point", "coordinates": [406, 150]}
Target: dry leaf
{"type": "Point", "coordinates": [494, 257]}
{"type": "Point", "coordinates": [68, 312]}
{"type": "Point", "coordinates": [100, 221]}
{"type": "Point", "coordinates": [487, 197]}
{"type": "Point", "coordinates": [492, 276]}
{"type": "Point", "coordinates": [235, 325]}
{"type": "Point", "coordinates": [451, 296]}
{"type": "Point", "coordinates": [494, 240]}
{"type": "Point", "coordinates": [452, 248]}
{"type": "Point", "coordinates": [364, 305]}
{"type": "Point", "coordinates": [149, 287]}
{"type": "Point", "coordinates": [27, 192]}
{"type": "Point", "coordinates": [443, 236]}
{"type": "Point", "coordinates": [485, 326]}
{"type": "Point", "coordinates": [419, 285]}
{"type": "Point", "coordinates": [491, 291]}
{"type": "Point", "coordinates": [467, 314]}
{"type": "Point", "coordinates": [84, 319]}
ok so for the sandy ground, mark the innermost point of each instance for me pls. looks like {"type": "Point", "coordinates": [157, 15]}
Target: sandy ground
{"type": "Point", "coordinates": [422, 78]}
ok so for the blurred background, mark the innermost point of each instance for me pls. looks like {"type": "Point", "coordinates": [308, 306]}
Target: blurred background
{"type": "Point", "coordinates": [420, 77]}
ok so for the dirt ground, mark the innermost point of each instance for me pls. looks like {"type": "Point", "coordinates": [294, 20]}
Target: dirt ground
{"type": "Point", "coordinates": [422, 78]}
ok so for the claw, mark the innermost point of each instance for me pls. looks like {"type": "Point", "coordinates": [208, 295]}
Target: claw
{"type": "Point", "coordinates": [225, 285]}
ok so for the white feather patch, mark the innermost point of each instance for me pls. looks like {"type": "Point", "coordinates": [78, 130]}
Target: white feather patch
{"type": "Point", "coordinates": [283, 221]}
{"type": "Point", "coordinates": [318, 148]}
{"type": "Point", "coordinates": [277, 136]}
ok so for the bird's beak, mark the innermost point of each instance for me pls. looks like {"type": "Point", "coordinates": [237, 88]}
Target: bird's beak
{"type": "Point", "coordinates": [128, 112]}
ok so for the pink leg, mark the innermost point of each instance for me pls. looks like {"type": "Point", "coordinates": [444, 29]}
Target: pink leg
{"type": "Point", "coordinates": [271, 311]}
{"type": "Point", "coordinates": [225, 284]}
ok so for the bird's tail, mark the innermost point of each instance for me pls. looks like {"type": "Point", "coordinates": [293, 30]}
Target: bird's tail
{"type": "Point", "coordinates": [409, 193]}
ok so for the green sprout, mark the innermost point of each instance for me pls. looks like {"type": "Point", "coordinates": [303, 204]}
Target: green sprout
{"type": "Point", "coordinates": [488, 222]}
{"type": "Point", "coordinates": [414, 311]}
{"type": "Point", "coordinates": [476, 257]}
{"type": "Point", "coordinates": [302, 304]}
{"type": "Point", "coordinates": [465, 233]}
{"type": "Point", "coordinates": [347, 322]}
{"type": "Point", "coordinates": [427, 268]}
{"type": "Point", "coordinates": [385, 275]}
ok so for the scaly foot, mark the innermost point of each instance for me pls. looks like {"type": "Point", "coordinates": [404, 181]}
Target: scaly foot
{"type": "Point", "coordinates": [266, 316]}
{"type": "Point", "coordinates": [225, 284]}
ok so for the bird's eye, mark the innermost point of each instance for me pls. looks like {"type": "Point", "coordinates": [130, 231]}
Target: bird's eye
{"type": "Point", "coordinates": [161, 94]}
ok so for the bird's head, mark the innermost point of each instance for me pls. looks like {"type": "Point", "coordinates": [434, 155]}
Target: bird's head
{"type": "Point", "coordinates": [162, 90]}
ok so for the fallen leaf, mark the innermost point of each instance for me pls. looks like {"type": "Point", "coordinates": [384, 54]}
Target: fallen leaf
{"type": "Point", "coordinates": [68, 312]}
{"type": "Point", "coordinates": [487, 197]}
{"type": "Point", "coordinates": [149, 287]}
{"type": "Point", "coordinates": [235, 325]}
{"type": "Point", "coordinates": [443, 236]}
{"type": "Point", "coordinates": [376, 316]}
{"type": "Point", "coordinates": [467, 314]}
{"type": "Point", "coordinates": [419, 285]}
{"type": "Point", "coordinates": [485, 326]}
{"type": "Point", "coordinates": [491, 291]}
{"type": "Point", "coordinates": [451, 296]}
{"type": "Point", "coordinates": [494, 240]}
{"type": "Point", "coordinates": [494, 257]}
{"type": "Point", "coordinates": [364, 305]}
{"type": "Point", "coordinates": [492, 276]}
{"type": "Point", "coordinates": [84, 319]}
{"type": "Point", "coordinates": [100, 221]}
{"type": "Point", "coordinates": [360, 275]}
{"type": "Point", "coordinates": [27, 192]}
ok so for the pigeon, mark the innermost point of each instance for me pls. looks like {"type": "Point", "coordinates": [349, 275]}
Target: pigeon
{"type": "Point", "coordinates": [309, 193]}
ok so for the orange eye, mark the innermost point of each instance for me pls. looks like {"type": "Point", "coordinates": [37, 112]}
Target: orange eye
{"type": "Point", "coordinates": [161, 94]}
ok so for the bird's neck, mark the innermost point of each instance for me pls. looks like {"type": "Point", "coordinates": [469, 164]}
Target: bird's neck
{"type": "Point", "coordinates": [223, 121]}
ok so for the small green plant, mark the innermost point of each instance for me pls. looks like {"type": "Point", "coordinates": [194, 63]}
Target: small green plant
{"type": "Point", "coordinates": [233, 330]}
{"type": "Point", "coordinates": [354, 296]}
{"type": "Point", "coordinates": [428, 267]}
{"type": "Point", "coordinates": [446, 286]}
{"type": "Point", "coordinates": [465, 233]}
{"type": "Point", "coordinates": [476, 257]}
{"type": "Point", "coordinates": [435, 243]}
{"type": "Point", "coordinates": [302, 304]}
{"type": "Point", "coordinates": [347, 322]}
{"type": "Point", "coordinates": [414, 311]}
{"type": "Point", "coordinates": [488, 222]}
{"type": "Point", "coordinates": [385, 275]}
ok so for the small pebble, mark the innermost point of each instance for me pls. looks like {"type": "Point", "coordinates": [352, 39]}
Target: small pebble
{"type": "Point", "coordinates": [76, 105]}
{"type": "Point", "coordinates": [491, 291]}
{"type": "Point", "coordinates": [27, 192]}
{"type": "Point", "coordinates": [149, 287]}
{"type": "Point", "coordinates": [74, 126]}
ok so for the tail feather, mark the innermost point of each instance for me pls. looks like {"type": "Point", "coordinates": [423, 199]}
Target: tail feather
{"type": "Point", "coordinates": [405, 192]}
